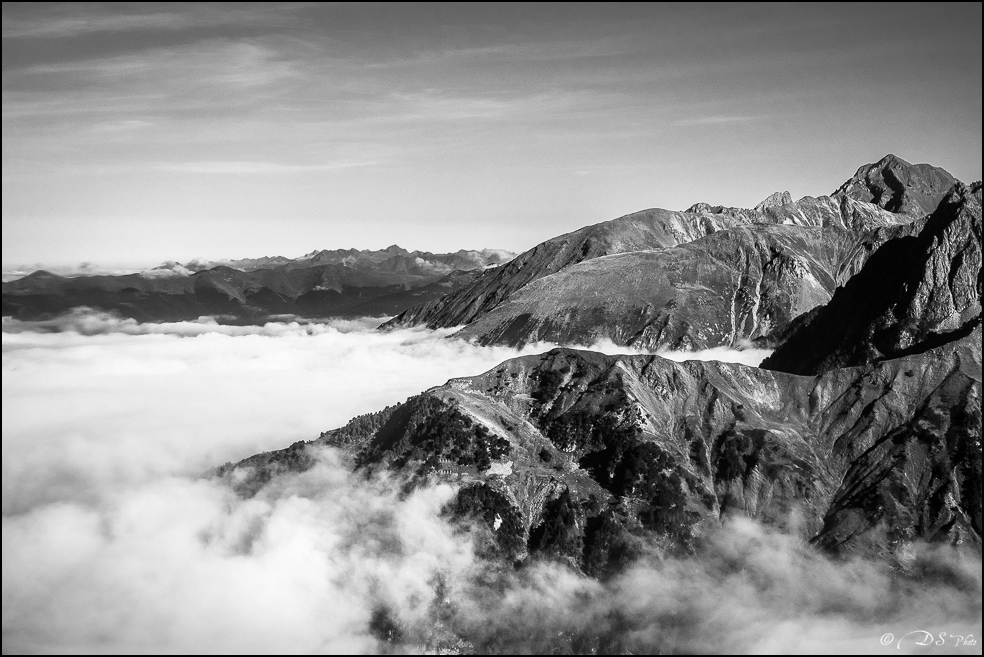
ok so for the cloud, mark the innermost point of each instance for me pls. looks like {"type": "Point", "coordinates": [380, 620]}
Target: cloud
{"type": "Point", "coordinates": [117, 401]}
{"type": "Point", "coordinates": [260, 167]}
{"type": "Point", "coordinates": [750, 357]}
{"type": "Point", "coordinates": [224, 65]}
{"type": "Point", "coordinates": [67, 21]}
{"type": "Point", "coordinates": [111, 542]}
{"type": "Point", "coordinates": [181, 565]}
{"type": "Point", "coordinates": [717, 120]}
{"type": "Point", "coordinates": [69, 26]}
{"type": "Point", "coordinates": [747, 590]}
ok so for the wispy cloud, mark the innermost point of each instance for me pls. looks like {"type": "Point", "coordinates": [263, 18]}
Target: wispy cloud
{"type": "Point", "coordinates": [239, 63]}
{"type": "Point", "coordinates": [243, 167]}
{"type": "Point", "coordinates": [718, 119]}
{"type": "Point", "coordinates": [14, 27]}
{"type": "Point", "coordinates": [442, 105]}
{"type": "Point", "coordinates": [68, 20]}
{"type": "Point", "coordinates": [517, 51]}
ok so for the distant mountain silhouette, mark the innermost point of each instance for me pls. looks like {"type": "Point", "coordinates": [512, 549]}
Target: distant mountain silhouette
{"type": "Point", "coordinates": [338, 283]}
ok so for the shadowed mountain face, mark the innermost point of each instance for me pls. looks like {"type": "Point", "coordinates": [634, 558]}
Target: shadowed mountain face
{"type": "Point", "coordinates": [916, 291]}
{"type": "Point", "coordinates": [322, 284]}
{"type": "Point", "coordinates": [707, 277]}
{"type": "Point", "coordinates": [585, 457]}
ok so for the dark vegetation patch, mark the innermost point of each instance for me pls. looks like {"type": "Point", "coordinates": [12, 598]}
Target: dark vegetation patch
{"type": "Point", "coordinates": [260, 469]}
{"type": "Point", "coordinates": [740, 455]}
{"type": "Point", "coordinates": [561, 534]}
{"type": "Point", "coordinates": [653, 493]}
{"type": "Point", "coordinates": [358, 429]}
{"type": "Point", "coordinates": [608, 544]}
{"type": "Point", "coordinates": [483, 505]}
{"type": "Point", "coordinates": [664, 489]}
{"type": "Point", "coordinates": [434, 431]}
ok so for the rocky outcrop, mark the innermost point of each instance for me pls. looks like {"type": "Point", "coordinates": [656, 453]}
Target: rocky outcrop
{"type": "Point", "coordinates": [777, 199]}
{"type": "Point", "coordinates": [892, 183]}
{"type": "Point", "coordinates": [917, 290]}
{"type": "Point", "coordinates": [586, 458]}
{"type": "Point", "coordinates": [828, 211]}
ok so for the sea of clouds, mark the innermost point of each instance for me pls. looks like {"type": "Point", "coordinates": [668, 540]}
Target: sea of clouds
{"type": "Point", "coordinates": [113, 543]}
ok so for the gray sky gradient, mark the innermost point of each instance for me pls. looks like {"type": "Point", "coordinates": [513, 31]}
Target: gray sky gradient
{"type": "Point", "coordinates": [135, 134]}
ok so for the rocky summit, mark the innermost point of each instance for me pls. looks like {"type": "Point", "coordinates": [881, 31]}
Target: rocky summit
{"type": "Point", "coordinates": [860, 434]}
{"type": "Point", "coordinates": [894, 184]}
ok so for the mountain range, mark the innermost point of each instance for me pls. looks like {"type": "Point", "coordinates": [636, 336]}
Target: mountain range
{"type": "Point", "coordinates": [321, 284]}
{"type": "Point", "coordinates": [709, 276]}
{"type": "Point", "coordinates": [860, 434]}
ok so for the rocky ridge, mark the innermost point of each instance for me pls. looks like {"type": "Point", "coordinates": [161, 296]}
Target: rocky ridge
{"type": "Point", "coordinates": [586, 458]}
{"type": "Point", "coordinates": [639, 231]}
{"type": "Point", "coordinates": [915, 291]}
{"type": "Point", "coordinates": [552, 292]}
{"type": "Point", "coordinates": [727, 288]}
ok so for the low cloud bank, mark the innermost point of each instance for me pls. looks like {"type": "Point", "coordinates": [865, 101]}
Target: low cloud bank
{"type": "Point", "coordinates": [328, 561]}
{"type": "Point", "coordinates": [108, 402]}
{"type": "Point", "coordinates": [86, 321]}
{"type": "Point", "coordinates": [182, 565]}
{"type": "Point", "coordinates": [748, 590]}
{"type": "Point", "coordinates": [750, 357]}
{"type": "Point", "coordinates": [112, 544]}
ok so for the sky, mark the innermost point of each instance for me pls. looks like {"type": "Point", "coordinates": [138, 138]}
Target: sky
{"type": "Point", "coordinates": [135, 134]}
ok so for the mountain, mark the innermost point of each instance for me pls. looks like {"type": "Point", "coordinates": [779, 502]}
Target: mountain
{"type": "Point", "coordinates": [862, 434]}
{"type": "Point", "coordinates": [710, 276]}
{"type": "Point", "coordinates": [861, 438]}
{"type": "Point", "coordinates": [894, 184]}
{"type": "Point", "coordinates": [724, 289]}
{"type": "Point", "coordinates": [635, 232]}
{"type": "Point", "coordinates": [914, 292]}
{"type": "Point", "coordinates": [585, 457]}
{"type": "Point", "coordinates": [320, 284]}
{"type": "Point", "coordinates": [465, 260]}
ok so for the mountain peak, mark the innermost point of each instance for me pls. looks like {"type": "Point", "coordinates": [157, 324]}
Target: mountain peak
{"type": "Point", "coordinates": [776, 199]}
{"type": "Point", "coordinates": [898, 186]}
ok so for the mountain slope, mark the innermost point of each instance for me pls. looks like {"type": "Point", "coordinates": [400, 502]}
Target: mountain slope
{"type": "Point", "coordinates": [914, 292]}
{"type": "Point", "coordinates": [517, 304]}
{"type": "Point", "coordinates": [648, 229]}
{"type": "Point", "coordinates": [583, 457]}
{"type": "Point", "coordinates": [724, 289]}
